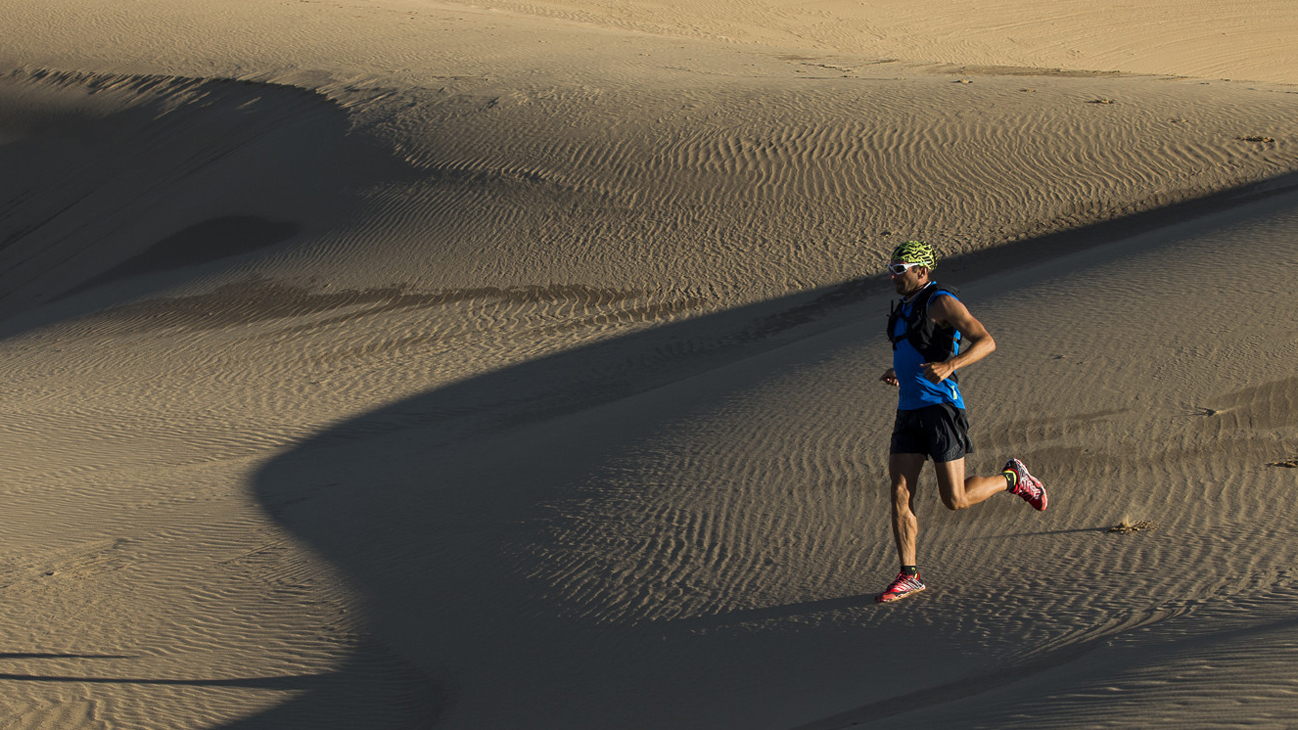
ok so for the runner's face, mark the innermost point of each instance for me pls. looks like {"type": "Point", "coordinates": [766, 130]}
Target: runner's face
{"type": "Point", "coordinates": [914, 278]}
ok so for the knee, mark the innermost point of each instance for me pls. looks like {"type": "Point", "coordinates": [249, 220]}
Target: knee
{"type": "Point", "coordinates": [955, 503]}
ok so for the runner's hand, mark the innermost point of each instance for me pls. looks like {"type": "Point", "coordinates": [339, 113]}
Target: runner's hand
{"type": "Point", "coordinates": [890, 377]}
{"type": "Point", "coordinates": [936, 372]}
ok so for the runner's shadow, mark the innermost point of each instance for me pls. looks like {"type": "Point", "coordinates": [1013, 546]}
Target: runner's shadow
{"type": "Point", "coordinates": [1043, 533]}
{"type": "Point", "coordinates": [773, 613]}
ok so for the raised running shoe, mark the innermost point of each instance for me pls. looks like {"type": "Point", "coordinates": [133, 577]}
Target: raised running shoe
{"type": "Point", "coordinates": [905, 585]}
{"type": "Point", "coordinates": [1028, 486]}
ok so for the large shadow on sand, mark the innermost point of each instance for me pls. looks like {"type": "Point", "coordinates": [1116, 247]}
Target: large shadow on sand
{"type": "Point", "coordinates": [420, 503]}
{"type": "Point", "coordinates": [118, 186]}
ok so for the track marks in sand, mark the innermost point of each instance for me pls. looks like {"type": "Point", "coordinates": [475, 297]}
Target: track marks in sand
{"type": "Point", "coordinates": [258, 301]}
{"type": "Point", "coordinates": [271, 363]}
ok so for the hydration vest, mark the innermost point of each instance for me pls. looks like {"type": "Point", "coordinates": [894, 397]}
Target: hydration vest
{"type": "Point", "coordinates": [935, 343]}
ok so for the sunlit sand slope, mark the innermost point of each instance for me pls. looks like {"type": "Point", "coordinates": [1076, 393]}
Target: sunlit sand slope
{"type": "Point", "coordinates": [1240, 39]}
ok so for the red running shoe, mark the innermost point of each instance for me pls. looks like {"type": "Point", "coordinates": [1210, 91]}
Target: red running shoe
{"type": "Point", "coordinates": [905, 585]}
{"type": "Point", "coordinates": [1028, 486]}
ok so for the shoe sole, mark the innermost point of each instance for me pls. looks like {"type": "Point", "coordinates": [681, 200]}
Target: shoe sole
{"type": "Point", "coordinates": [1045, 498]}
{"type": "Point", "coordinates": [898, 596]}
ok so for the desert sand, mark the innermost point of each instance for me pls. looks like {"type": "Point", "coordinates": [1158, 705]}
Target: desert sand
{"type": "Point", "coordinates": [398, 364]}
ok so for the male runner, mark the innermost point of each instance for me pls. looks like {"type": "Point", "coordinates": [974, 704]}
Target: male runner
{"type": "Point", "coordinates": [933, 335]}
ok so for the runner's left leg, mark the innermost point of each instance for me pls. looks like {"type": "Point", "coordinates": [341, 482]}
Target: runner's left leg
{"type": "Point", "coordinates": [959, 492]}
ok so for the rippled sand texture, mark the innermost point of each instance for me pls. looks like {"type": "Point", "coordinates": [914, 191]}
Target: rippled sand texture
{"type": "Point", "coordinates": [398, 364]}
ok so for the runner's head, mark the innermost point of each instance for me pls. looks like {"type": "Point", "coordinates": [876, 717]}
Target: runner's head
{"type": "Point", "coordinates": [911, 265]}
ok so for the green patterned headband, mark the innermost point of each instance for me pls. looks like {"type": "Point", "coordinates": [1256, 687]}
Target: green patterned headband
{"type": "Point", "coordinates": [915, 252]}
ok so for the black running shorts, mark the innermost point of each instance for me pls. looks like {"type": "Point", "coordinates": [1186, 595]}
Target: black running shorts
{"type": "Point", "coordinates": [940, 431]}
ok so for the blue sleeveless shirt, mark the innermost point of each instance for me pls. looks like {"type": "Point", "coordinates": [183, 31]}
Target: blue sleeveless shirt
{"type": "Point", "coordinates": [916, 390]}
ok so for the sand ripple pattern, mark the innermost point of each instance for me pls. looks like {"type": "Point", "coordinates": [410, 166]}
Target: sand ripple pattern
{"type": "Point", "coordinates": [684, 195]}
{"type": "Point", "coordinates": [763, 508]}
{"type": "Point", "coordinates": [557, 369]}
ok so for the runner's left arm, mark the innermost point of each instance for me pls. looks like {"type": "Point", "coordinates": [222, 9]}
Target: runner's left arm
{"type": "Point", "coordinates": [951, 312]}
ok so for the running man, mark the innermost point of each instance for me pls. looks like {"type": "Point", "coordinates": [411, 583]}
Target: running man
{"type": "Point", "coordinates": [933, 335]}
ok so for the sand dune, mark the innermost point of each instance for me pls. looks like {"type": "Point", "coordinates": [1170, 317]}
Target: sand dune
{"type": "Point", "coordinates": [1233, 39]}
{"type": "Point", "coordinates": [403, 364]}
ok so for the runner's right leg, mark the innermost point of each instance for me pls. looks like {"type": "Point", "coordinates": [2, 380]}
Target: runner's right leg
{"type": "Point", "coordinates": [903, 470]}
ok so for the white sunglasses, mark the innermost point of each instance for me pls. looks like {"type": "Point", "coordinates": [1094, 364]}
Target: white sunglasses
{"type": "Point", "coordinates": [899, 269]}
